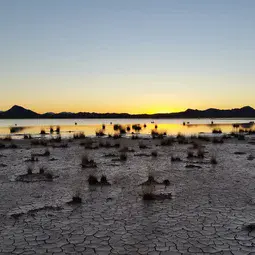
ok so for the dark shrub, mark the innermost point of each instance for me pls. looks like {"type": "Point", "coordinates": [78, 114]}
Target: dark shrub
{"type": "Point", "coordinates": [92, 180]}
{"type": "Point", "coordinates": [43, 132]}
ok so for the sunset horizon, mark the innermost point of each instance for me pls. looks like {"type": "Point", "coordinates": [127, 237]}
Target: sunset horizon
{"type": "Point", "coordinates": [135, 57]}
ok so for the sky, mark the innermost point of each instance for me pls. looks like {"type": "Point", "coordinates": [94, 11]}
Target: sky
{"type": "Point", "coordinates": [136, 56]}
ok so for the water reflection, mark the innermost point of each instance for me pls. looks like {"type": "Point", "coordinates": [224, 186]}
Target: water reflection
{"type": "Point", "coordinates": [125, 126]}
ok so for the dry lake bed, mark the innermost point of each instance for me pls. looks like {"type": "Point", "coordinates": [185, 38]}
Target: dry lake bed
{"type": "Point", "coordinates": [200, 196]}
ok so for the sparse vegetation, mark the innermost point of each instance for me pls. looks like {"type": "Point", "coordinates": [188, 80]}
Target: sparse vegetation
{"type": "Point", "coordinates": [76, 199]}
{"type": "Point", "coordinates": [92, 180]}
{"type": "Point", "coordinates": [88, 163]}
{"type": "Point", "coordinates": [175, 159]}
{"type": "Point", "coordinates": [29, 171]}
{"type": "Point", "coordinates": [27, 136]}
{"type": "Point", "coordinates": [41, 170]}
{"type": "Point", "coordinates": [43, 132]}
{"type": "Point", "coordinates": [154, 153]}
{"type": "Point", "coordinates": [123, 156]}
{"type": "Point", "coordinates": [58, 129]}
{"type": "Point", "coordinates": [79, 135]}
{"type": "Point", "coordinates": [15, 129]}
{"type": "Point", "coordinates": [100, 133]}
{"type": "Point", "coordinates": [216, 131]}
{"type": "Point", "coordinates": [214, 160]}
{"type": "Point", "coordinates": [104, 180]}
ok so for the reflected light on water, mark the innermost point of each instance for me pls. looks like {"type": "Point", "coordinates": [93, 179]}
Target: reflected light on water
{"type": "Point", "coordinates": [89, 127]}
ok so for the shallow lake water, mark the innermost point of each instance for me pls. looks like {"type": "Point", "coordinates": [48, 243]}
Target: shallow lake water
{"type": "Point", "coordinates": [90, 126]}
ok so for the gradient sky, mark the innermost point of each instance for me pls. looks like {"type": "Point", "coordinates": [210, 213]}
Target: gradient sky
{"type": "Point", "coordinates": [127, 56]}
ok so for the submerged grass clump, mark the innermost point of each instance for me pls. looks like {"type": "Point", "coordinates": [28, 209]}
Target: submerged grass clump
{"type": "Point", "coordinates": [79, 135]}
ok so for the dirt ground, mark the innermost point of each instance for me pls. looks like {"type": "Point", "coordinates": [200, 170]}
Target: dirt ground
{"type": "Point", "coordinates": [211, 210]}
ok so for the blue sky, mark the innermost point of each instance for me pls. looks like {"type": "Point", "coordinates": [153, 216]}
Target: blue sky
{"type": "Point", "coordinates": [132, 56]}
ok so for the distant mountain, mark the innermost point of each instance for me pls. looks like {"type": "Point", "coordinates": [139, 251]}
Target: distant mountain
{"type": "Point", "coordinates": [18, 112]}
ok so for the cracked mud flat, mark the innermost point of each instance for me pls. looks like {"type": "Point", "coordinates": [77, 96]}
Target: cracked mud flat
{"type": "Point", "coordinates": [208, 214]}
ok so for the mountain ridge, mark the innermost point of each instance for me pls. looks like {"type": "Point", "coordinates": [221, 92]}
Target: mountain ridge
{"type": "Point", "coordinates": [19, 112]}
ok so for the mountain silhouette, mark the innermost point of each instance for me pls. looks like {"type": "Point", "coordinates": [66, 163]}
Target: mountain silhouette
{"type": "Point", "coordinates": [19, 112]}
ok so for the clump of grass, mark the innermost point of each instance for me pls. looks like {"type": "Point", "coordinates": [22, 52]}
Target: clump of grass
{"type": "Point", "coordinates": [49, 175]}
{"type": "Point", "coordinates": [166, 182]}
{"type": "Point", "coordinates": [29, 171]}
{"type": "Point", "coordinates": [41, 170]}
{"type": "Point", "coordinates": [148, 189]}
{"type": "Point", "coordinates": [46, 153]}
{"type": "Point", "coordinates": [122, 130]}
{"type": "Point", "coordinates": [136, 127]}
{"type": "Point", "coordinates": [92, 180]}
{"type": "Point", "coordinates": [216, 131]}
{"type": "Point", "coordinates": [128, 128]}
{"type": "Point", "coordinates": [43, 132]}
{"type": "Point", "coordinates": [79, 135]}
{"type": "Point", "coordinates": [51, 130]}
{"type": "Point", "coordinates": [123, 156]}
{"type": "Point", "coordinates": [175, 159]}
{"type": "Point", "coordinates": [213, 160]}
{"type": "Point", "coordinates": [104, 180]}
{"type": "Point", "coordinates": [27, 137]}
{"type": "Point", "coordinates": [88, 163]}
{"type": "Point", "coordinates": [154, 153]}
{"type": "Point", "coordinates": [116, 136]}
{"type": "Point", "coordinates": [58, 129]}
{"type": "Point", "coordinates": [76, 199]}
{"type": "Point", "coordinates": [100, 133]}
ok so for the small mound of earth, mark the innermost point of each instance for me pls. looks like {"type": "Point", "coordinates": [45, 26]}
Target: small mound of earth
{"type": "Point", "coordinates": [192, 166]}
{"type": "Point", "coordinates": [35, 177]}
